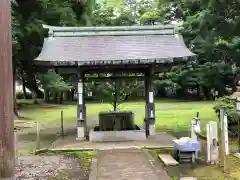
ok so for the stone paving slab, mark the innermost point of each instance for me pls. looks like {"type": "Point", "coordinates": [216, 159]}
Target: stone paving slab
{"type": "Point", "coordinates": [168, 160]}
{"type": "Point", "coordinates": [124, 165]}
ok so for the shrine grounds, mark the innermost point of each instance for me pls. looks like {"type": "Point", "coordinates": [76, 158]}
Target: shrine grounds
{"type": "Point", "coordinates": [172, 116]}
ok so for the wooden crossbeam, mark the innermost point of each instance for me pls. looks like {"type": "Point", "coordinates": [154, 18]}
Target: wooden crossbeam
{"type": "Point", "coordinates": [111, 78]}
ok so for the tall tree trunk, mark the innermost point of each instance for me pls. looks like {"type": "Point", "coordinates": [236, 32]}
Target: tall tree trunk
{"type": "Point", "coordinates": [234, 83]}
{"type": "Point", "coordinates": [31, 84]}
{"type": "Point", "coordinates": [199, 92]}
{"type": "Point", "coordinates": [207, 93]}
{"type": "Point", "coordinates": [15, 109]}
{"type": "Point", "coordinates": [55, 97]}
{"type": "Point", "coordinates": [7, 155]}
{"type": "Point", "coordinates": [24, 88]}
{"type": "Point", "coordinates": [69, 96]}
{"type": "Point", "coordinates": [46, 95]}
{"type": "Point", "coordinates": [72, 95]}
{"type": "Point", "coordinates": [15, 106]}
{"type": "Point", "coordinates": [61, 98]}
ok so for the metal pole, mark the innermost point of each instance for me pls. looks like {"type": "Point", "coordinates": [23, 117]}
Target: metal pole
{"type": "Point", "coordinates": [16, 148]}
{"type": "Point", "coordinates": [38, 136]}
{"type": "Point", "coordinates": [7, 154]}
{"type": "Point", "coordinates": [238, 111]}
{"type": "Point", "coordinates": [238, 135]}
{"type": "Point", "coordinates": [62, 130]}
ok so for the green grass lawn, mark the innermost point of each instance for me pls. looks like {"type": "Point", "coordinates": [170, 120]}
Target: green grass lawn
{"type": "Point", "coordinates": [172, 116]}
{"type": "Point", "coordinates": [175, 116]}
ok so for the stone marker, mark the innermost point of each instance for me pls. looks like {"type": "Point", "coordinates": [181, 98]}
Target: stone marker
{"type": "Point", "coordinates": [212, 133]}
{"type": "Point", "coordinates": [224, 132]}
{"type": "Point", "coordinates": [168, 160]}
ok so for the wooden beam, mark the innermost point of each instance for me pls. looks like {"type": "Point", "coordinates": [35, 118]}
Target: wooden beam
{"type": "Point", "coordinates": [162, 68]}
{"type": "Point", "coordinates": [158, 68]}
{"type": "Point", "coordinates": [7, 150]}
{"type": "Point", "coordinates": [67, 70]}
{"type": "Point", "coordinates": [111, 78]}
{"type": "Point", "coordinates": [89, 70]}
{"type": "Point", "coordinates": [115, 69]}
{"type": "Point", "coordinates": [98, 70]}
{"type": "Point", "coordinates": [114, 74]}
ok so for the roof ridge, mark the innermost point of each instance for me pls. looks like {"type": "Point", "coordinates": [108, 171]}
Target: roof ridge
{"type": "Point", "coordinates": [108, 28]}
{"type": "Point", "coordinates": [112, 33]}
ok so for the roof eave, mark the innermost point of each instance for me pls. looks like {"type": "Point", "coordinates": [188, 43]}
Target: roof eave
{"type": "Point", "coordinates": [41, 62]}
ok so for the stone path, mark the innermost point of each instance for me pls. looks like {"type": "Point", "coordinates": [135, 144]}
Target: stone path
{"type": "Point", "coordinates": [160, 139]}
{"type": "Point", "coordinates": [125, 165]}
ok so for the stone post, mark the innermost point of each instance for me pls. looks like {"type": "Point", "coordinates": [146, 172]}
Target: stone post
{"type": "Point", "coordinates": [224, 132]}
{"type": "Point", "coordinates": [212, 133]}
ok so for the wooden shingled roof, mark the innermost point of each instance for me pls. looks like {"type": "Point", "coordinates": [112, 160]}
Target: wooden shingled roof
{"type": "Point", "coordinates": [71, 46]}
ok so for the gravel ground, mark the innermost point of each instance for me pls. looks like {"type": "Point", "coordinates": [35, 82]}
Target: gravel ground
{"type": "Point", "coordinates": [49, 167]}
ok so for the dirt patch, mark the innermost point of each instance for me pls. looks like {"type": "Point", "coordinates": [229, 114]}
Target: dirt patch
{"type": "Point", "coordinates": [50, 167]}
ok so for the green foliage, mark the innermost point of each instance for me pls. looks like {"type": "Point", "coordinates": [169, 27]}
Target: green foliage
{"type": "Point", "coordinates": [54, 82]}
{"type": "Point", "coordinates": [115, 3]}
{"type": "Point", "coordinates": [150, 16]}
{"type": "Point", "coordinates": [28, 35]}
{"type": "Point", "coordinates": [210, 29]}
{"type": "Point", "coordinates": [229, 106]}
{"type": "Point", "coordinates": [123, 89]}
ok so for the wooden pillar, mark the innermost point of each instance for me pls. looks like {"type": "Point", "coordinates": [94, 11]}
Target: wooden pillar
{"type": "Point", "coordinates": [81, 109]}
{"type": "Point", "coordinates": [150, 106]}
{"type": "Point", "coordinates": [146, 120]}
{"type": "Point", "coordinates": [7, 157]}
{"type": "Point", "coordinates": [115, 98]}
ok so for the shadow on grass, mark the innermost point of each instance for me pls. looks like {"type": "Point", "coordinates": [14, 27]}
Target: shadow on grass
{"type": "Point", "coordinates": [175, 132]}
{"type": "Point", "coordinates": [27, 139]}
{"type": "Point", "coordinates": [44, 106]}
{"type": "Point", "coordinates": [24, 118]}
